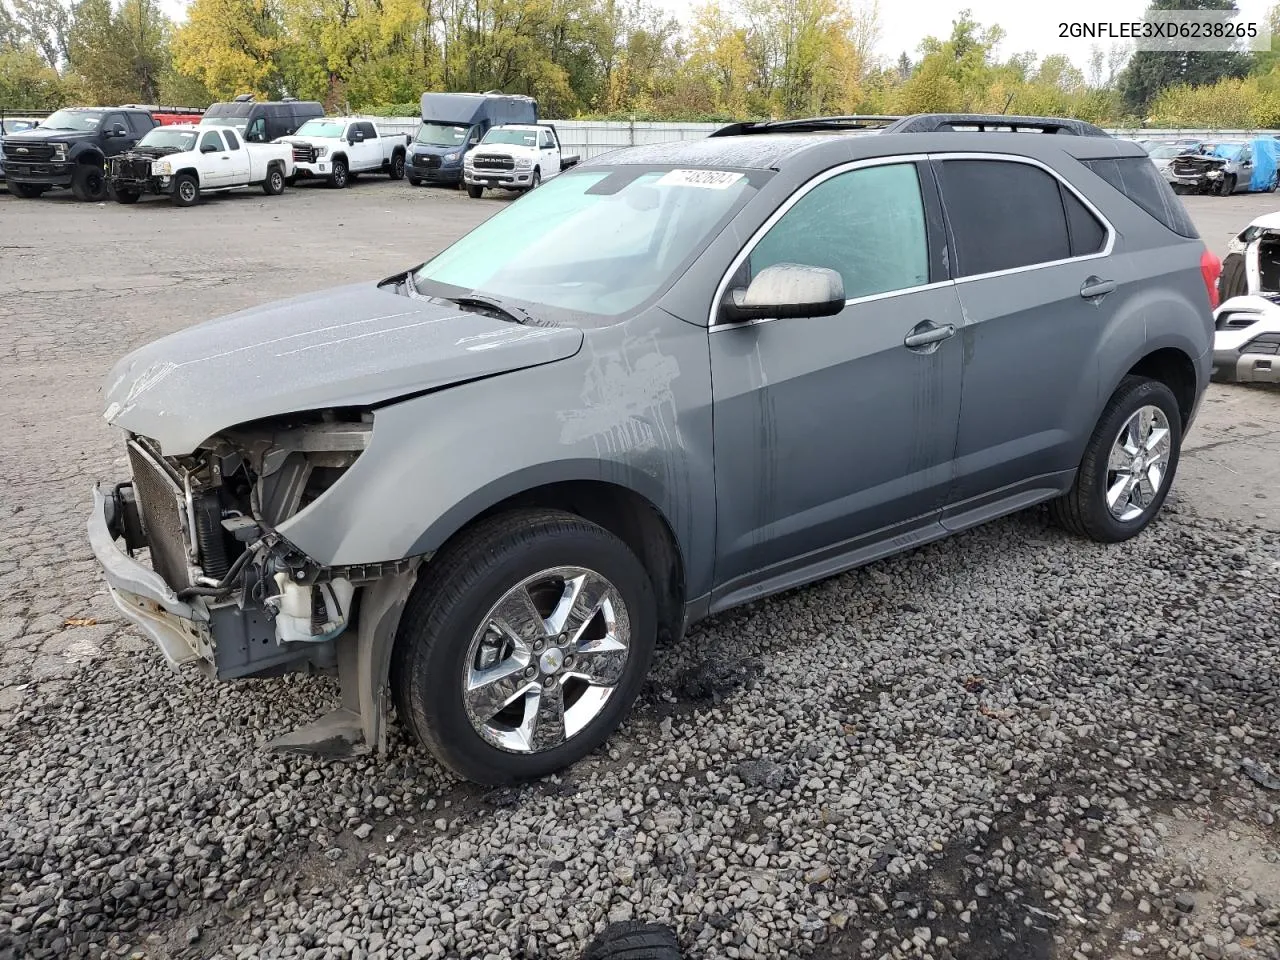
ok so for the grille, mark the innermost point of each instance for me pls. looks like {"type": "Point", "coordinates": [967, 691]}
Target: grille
{"type": "Point", "coordinates": [28, 150]}
{"type": "Point", "coordinates": [484, 161]}
{"type": "Point", "coordinates": [131, 168]}
{"type": "Point", "coordinates": [1190, 168]}
{"type": "Point", "coordinates": [426, 160]}
{"type": "Point", "coordinates": [159, 502]}
{"type": "Point", "coordinates": [304, 153]}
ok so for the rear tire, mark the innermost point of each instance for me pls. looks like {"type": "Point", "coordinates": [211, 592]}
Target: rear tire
{"type": "Point", "coordinates": [27, 191]}
{"type": "Point", "coordinates": [1085, 509]}
{"type": "Point", "coordinates": [396, 172]}
{"type": "Point", "coordinates": [539, 566]}
{"type": "Point", "coordinates": [186, 190]}
{"type": "Point", "coordinates": [474, 191]}
{"type": "Point", "coordinates": [1233, 282]}
{"type": "Point", "coordinates": [89, 184]}
{"type": "Point", "coordinates": [273, 186]}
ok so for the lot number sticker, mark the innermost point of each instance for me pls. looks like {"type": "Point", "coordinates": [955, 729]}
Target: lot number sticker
{"type": "Point", "coordinates": [710, 179]}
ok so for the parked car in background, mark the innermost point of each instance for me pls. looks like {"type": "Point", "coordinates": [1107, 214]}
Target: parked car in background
{"type": "Point", "coordinates": [640, 396]}
{"type": "Point", "coordinates": [1163, 155]}
{"type": "Point", "coordinates": [262, 121]}
{"type": "Point", "coordinates": [186, 162]}
{"type": "Point", "coordinates": [10, 125]}
{"type": "Point", "coordinates": [1226, 167]}
{"type": "Point", "coordinates": [70, 149]}
{"type": "Point", "coordinates": [339, 149]}
{"type": "Point", "coordinates": [453, 123]}
{"type": "Point", "coordinates": [1252, 263]}
{"type": "Point", "coordinates": [515, 157]}
{"type": "Point", "coordinates": [1246, 342]}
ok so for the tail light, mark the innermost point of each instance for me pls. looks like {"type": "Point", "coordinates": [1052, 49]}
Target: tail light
{"type": "Point", "coordinates": [1210, 269]}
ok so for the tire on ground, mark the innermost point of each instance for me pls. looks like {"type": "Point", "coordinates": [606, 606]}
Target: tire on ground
{"type": "Point", "coordinates": [1083, 509]}
{"type": "Point", "coordinates": [449, 603]}
{"type": "Point", "coordinates": [273, 184]}
{"type": "Point", "coordinates": [89, 183]}
{"type": "Point", "coordinates": [186, 190]}
{"type": "Point", "coordinates": [475, 191]}
{"type": "Point", "coordinates": [634, 940]}
{"type": "Point", "coordinates": [1233, 282]}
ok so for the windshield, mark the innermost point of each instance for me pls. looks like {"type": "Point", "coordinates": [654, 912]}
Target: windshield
{"type": "Point", "coordinates": [522, 138]}
{"type": "Point", "coordinates": [331, 129]}
{"type": "Point", "coordinates": [238, 122]}
{"type": "Point", "coordinates": [441, 134]}
{"type": "Point", "coordinates": [600, 241]}
{"type": "Point", "coordinates": [1169, 152]}
{"type": "Point", "coordinates": [72, 120]}
{"type": "Point", "coordinates": [180, 140]}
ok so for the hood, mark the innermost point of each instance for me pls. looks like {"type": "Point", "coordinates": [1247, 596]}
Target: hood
{"type": "Point", "coordinates": [152, 152]}
{"type": "Point", "coordinates": [1268, 221]}
{"type": "Point", "coordinates": [352, 346]}
{"type": "Point", "coordinates": [49, 136]}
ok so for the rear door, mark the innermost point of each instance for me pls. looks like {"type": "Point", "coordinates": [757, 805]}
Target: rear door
{"type": "Point", "coordinates": [1038, 286]}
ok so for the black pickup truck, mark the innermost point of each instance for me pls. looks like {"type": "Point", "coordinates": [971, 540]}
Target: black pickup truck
{"type": "Point", "coordinates": [70, 149]}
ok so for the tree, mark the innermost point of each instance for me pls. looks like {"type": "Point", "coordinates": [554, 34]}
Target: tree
{"type": "Point", "coordinates": [27, 82]}
{"type": "Point", "coordinates": [232, 47]}
{"type": "Point", "coordinates": [121, 54]}
{"type": "Point", "coordinates": [1151, 71]}
{"type": "Point", "coordinates": [44, 25]}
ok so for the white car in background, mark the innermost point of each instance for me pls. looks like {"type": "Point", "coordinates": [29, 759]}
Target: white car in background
{"type": "Point", "coordinates": [1252, 263]}
{"type": "Point", "coordinates": [338, 149]}
{"type": "Point", "coordinates": [1246, 340]}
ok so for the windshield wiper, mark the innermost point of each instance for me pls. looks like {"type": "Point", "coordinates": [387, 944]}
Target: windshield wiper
{"type": "Point", "coordinates": [510, 311]}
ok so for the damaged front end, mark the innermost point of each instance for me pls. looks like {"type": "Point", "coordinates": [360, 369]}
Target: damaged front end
{"type": "Point", "coordinates": [1196, 174]}
{"type": "Point", "coordinates": [222, 590]}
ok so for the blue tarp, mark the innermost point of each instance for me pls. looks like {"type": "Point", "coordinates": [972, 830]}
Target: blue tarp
{"type": "Point", "coordinates": [1264, 163]}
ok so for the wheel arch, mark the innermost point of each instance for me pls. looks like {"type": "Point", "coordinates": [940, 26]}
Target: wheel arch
{"type": "Point", "coordinates": [1174, 368]}
{"type": "Point", "coordinates": [188, 170]}
{"type": "Point", "coordinates": [88, 154]}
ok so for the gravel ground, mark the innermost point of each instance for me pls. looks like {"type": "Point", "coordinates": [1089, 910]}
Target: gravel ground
{"type": "Point", "coordinates": [1009, 744]}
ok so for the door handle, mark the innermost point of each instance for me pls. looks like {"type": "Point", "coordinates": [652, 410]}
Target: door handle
{"type": "Point", "coordinates": [1096, 287]}
{"type": "Point", "coordinates": [924, 336]}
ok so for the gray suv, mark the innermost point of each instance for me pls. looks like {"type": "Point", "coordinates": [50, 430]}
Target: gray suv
{"type": "Point", "coordinates": [673, 380]}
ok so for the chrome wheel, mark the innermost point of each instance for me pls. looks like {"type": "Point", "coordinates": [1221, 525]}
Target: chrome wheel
{"type": "Point", "coordinates": [1139, 463]}
{"type": "Point", "coordinates": [546, 659]}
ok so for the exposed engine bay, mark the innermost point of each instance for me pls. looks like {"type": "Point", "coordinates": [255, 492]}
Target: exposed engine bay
{"type": "Point", "coordinates": [209, 518]}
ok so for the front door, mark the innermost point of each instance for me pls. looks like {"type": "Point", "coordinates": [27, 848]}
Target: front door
{"type": "Point", "coordinates": [117, 136]}
{"type": "Point", "coordinates": [834, 434]}
{"type": "Point", "coordinates": [215, 161]}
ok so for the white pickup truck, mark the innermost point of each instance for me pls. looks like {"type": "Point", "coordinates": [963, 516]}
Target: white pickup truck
{"type": "Point", "coordinates": [338, 149]}
{"type": "Point", "coordinates": [514, 156]}
{"type": "Point", "coordinates": [187, 161]}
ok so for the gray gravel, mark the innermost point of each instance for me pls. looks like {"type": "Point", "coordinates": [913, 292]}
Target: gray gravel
{"type": "Point", "coordinates": [966, 751]}
{"type": "Point", "coordinates": [1010, 744]}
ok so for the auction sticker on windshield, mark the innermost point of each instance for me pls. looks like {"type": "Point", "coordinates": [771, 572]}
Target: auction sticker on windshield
{"type": "Point", "coordinates": [711, 179]}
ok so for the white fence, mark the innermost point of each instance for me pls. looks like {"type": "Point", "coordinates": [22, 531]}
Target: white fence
{"type": "Point", "coordinates": [590, 138]}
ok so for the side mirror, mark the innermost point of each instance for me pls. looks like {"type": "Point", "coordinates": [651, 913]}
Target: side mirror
{"type": "Point", "coordinates": [356, 136]}
{"type": "Point", "coordinates": [786, 290]}
{"type": "Point", "coordinates": [208, 148]}
{"type": "Point", "coordinates": [119, 131]}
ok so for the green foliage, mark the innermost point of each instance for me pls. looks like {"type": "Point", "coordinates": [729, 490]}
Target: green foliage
{"type": "Point", "coordinates": [121, 53]}
{"type": "Point", "coordinates": [27, 82]}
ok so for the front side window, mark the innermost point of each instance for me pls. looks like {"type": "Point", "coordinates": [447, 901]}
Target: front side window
{"type": "Point", "coordinates": [547, 140]}
{"type": "Point", "coordinates": [211, 140]}
{"type": "Point", "coordinates": [1004, 215]}
{"type": "Point", "coordinates": [113, 120]}
{"type": "Point", "coordinates": [868, 225]}
{"type": "Point", "coordinates": [596, 241]}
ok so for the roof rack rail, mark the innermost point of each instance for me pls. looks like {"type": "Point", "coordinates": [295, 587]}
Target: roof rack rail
{"type": "Point", "coordinates": [992, 122]}
{"type": "Point", "coordinates": [814, 124]}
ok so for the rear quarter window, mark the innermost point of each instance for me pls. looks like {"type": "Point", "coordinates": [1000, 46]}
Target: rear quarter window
{"type": "Point", "coordinates": [1139, 180]}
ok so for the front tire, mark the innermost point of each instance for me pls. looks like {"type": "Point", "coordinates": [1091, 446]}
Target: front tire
{"type": "Point", "coordinates": [415, 182]}
{"type": "Point", "coordinates": [523, 646]}
{"type": "Point", "coordinates": [536, 180]}
{"type": "Point", "coordinates": [186, 190]}
{"type": "Point", "coordinates": [1234, 281]}
{"type": "Point", "coordinates": [89, 184]}
{"type": "Point", "coordinates": [1228, 185]}
{"type": "Point", "coordinates": [338, 178]}
{"type": "Point", "coordinates": [1128, 465]}
{"type": "Point", "coordinates": [127, 196]}
{"type": "Point", "coordinates": [397, 168]}
{"type": "Point", "coordinates": [475, 191]}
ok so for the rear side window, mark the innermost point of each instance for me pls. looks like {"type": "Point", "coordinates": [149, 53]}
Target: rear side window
{"type": "Point", "coordinates": [1087, 233]}
{"type": "Point", "coordinates": [232, 142]}
{"type": "Point", "coordinates": [1003, 215]}
{"type": "Point", "coordinates": [140, 122]}
{"type": "Point", "coordinates": [367, 130]}
{"type": "Point", "coordinates": [1139, 180]}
